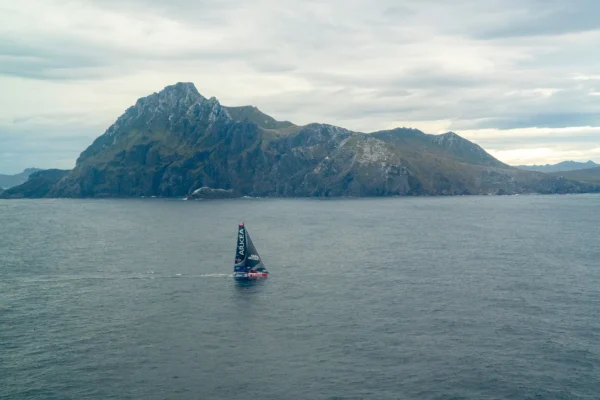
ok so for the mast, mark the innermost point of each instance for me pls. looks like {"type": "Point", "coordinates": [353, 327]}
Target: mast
{"type": "Point", "coordinates": [241, 253]}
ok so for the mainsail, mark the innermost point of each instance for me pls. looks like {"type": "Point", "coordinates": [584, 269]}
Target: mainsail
{"type": "Point", "coordinates": [240, 250]}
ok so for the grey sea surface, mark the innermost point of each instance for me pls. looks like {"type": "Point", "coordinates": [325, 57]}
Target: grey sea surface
{"type": "Point", "coordinates": [393, 298]}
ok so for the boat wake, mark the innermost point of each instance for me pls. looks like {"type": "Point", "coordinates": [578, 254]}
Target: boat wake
{"type": "Point", "coordinates": [114, 276]}
{"type": "Point", "coordinates": [194, 276]}
{"type": "Point", "coordinates": [153, 275]}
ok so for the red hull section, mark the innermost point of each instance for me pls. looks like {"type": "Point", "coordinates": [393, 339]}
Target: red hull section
{"type": "Point", "coordinates": [257, 275]}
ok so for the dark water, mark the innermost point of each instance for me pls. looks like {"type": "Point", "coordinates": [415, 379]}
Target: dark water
{"type": "Point", "coordinates": [423, 298]}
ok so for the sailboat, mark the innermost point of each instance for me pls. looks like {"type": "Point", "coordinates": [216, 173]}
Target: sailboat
{"type": "Point", "coordinates": [248, 264]}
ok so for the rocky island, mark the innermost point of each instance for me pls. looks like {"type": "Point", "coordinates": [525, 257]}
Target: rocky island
{"type": "Point", "coordinates": [178, 143]}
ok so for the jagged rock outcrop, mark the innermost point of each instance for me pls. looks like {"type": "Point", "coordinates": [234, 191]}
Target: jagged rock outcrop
{"type": "Point", "coordinates": [210, 193]}
{"type": "Point", "coordinates": [173, 142]}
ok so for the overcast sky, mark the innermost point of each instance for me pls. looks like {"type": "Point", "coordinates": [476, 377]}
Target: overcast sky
{"type": "Point", "coordinates": [519, 77]}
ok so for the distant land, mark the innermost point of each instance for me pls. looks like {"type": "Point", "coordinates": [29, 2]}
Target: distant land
{"type": "Point", "coordinates": [8, 181]}
{"type": "Point", "coordinates": [178, 143]}
{"type": "Point", "coordinates": [38, 185]}
{"type": "Point", "coordinates": [589, 175]}
{"type": "Point", "coordinates": [562, 166]}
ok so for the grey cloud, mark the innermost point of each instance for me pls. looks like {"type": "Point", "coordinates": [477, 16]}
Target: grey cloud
{"type": "Point", "coordinates": [549, 18]}
{"type": "Point", "coordinates": [568, 139]}
{"type": "Point", "coordinates": [544, 120]}
{"type": "Point", "coordinates": [393, 93]}
{"type": "Point", "coordinates": [569, 107]}
{"type": "Point", "coordinates": [46, 60]}
{"type": "Point", "coordinates": [42, 146]}
{"type": "Point", "coordinates": [422, 78]}
{"type": "Point", "coordinates": [211, 12]}
{"type": "Point", "coordinates": [398, 12]}
{"type": "Point", "coordinates": [78, 60]}
{"type": "Point", "coordinates": [506, 19]}
{"type": "Point", "coordinates": [267, 65]}
{"type": "Point", "coordinates": [570, 145]}
{"type": "Point", "coordinates": [33, 120]}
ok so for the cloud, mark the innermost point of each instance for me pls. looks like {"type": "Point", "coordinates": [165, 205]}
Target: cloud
{"type": "Point", "coordinates": [69, 69]}
{"type": "Point", "coordinates": [41, 145]}
{"type": "Point", "coordinates": [539, 145]}
{"type": "Point", "coordinates": [545, 120]}
{"type": "Point", "coordinates": [543, 17]}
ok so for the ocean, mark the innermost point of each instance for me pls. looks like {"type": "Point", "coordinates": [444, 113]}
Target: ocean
{"type": "Point", "coordinates": [475, 297]}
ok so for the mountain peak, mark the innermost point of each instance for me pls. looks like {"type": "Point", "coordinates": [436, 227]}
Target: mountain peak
{"type": "Point", "coordinates": [180, 93]}
{"type": "Point", "coordinates": [180, 87]}
{"type": "Point", "coordinates": [180, 96]}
